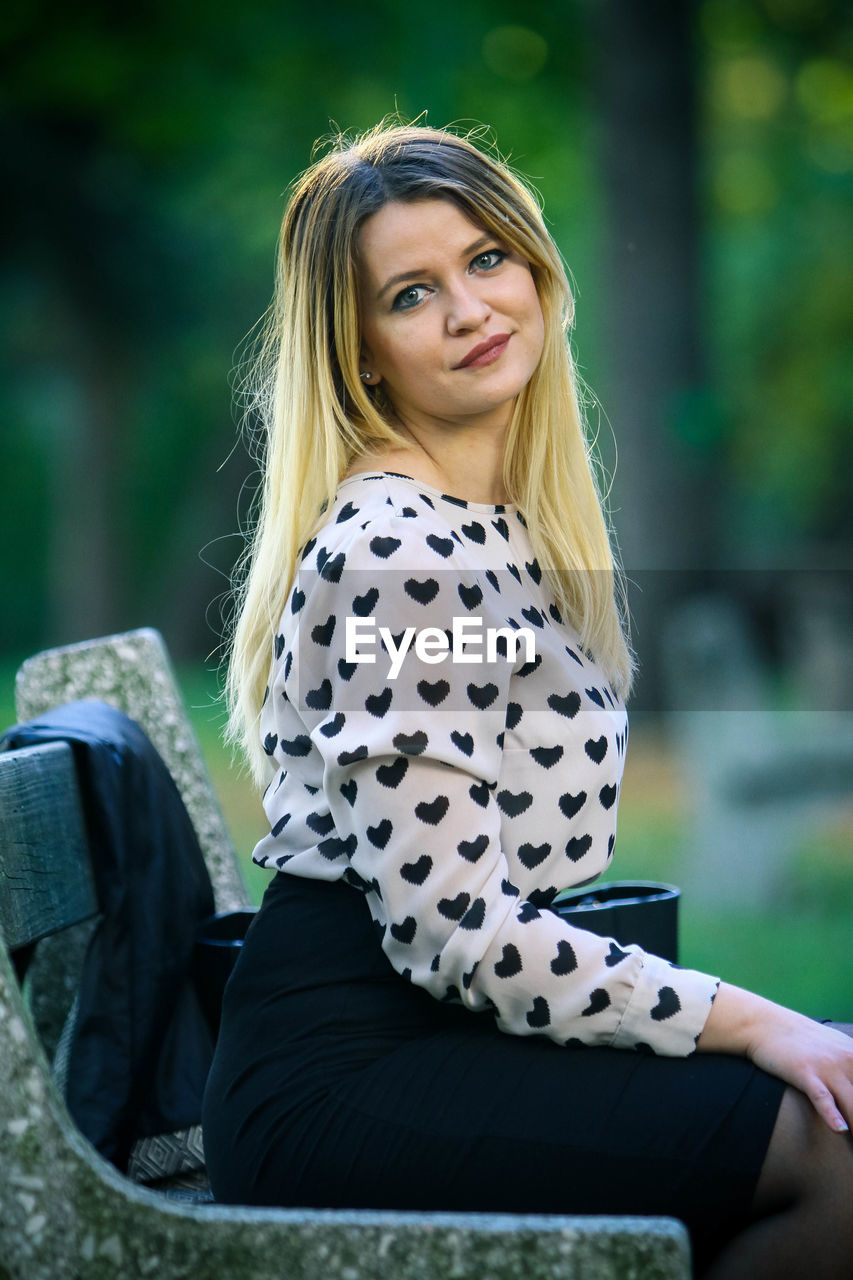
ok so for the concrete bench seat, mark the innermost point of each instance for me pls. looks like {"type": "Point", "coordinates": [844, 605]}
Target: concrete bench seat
{"type": "Point", "coordinates": [65, 1212]}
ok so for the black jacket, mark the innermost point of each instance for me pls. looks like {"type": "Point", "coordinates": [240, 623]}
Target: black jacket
{"type": "Point", "coordinates": [141, 1048]}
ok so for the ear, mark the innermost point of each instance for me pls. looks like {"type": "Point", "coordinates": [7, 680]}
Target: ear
{"type": "Point", "coordinates": [366, 369]}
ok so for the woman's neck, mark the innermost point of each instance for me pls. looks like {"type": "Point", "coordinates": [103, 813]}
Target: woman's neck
{"type": "Point", "coordinates": [459, 465]}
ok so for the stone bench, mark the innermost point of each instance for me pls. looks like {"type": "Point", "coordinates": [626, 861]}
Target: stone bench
{"type": "Point", "coordinates": [66, 1213]}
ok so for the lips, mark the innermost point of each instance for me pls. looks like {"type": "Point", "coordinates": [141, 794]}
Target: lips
{"type": "Point", "coordinates": [485, 352]}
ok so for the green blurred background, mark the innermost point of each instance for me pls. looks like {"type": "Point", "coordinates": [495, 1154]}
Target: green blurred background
{"type": "Point", "coordinates": [696, 166]}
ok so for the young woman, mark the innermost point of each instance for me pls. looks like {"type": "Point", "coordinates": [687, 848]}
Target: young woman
{"type": "Point", "coordinates": [428, 674]}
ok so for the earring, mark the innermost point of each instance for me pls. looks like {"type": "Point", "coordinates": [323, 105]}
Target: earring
{"type": "Point", "coordinates": [365, 377]}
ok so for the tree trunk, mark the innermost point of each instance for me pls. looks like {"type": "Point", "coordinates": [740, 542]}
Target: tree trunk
{"type": "Point", "coordinates": [663, 495]}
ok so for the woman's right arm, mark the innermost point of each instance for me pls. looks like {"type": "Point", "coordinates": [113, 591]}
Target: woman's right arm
{"type": "Point", "coordinates": [816, 1059]}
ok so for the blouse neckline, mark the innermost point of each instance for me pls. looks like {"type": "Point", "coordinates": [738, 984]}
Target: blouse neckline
{"type": "Point", "coordinates": [484, 507]}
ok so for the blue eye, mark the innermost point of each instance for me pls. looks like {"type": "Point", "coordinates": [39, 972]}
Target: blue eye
{"type": "Point", "coordinates": [489, 260]}
{"type": "Point", "coordinates": [409, 297]}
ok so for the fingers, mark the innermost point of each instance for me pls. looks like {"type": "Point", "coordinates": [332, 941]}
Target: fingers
{"type": "Point", "coordinates": [825, 1105]}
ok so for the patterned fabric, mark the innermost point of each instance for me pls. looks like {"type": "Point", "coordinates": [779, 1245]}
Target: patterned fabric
{"type": "Point", "coordinates": [461, 781]}
{"type": "Point", "coordinates": [175, 1161]}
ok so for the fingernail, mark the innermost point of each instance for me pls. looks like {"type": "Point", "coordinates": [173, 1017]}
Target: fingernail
{"type": "Point", "coordinates": [842, 1128]}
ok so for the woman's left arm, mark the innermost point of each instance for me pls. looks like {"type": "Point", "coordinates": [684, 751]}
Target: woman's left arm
{"type": "Point", "coordinates": [816, 1059]}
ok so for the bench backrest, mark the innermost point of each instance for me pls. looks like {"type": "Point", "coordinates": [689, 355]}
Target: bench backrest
{"type": "Point", "coordinates": [46, 881]}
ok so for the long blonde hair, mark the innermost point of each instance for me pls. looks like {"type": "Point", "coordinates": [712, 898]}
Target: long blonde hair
{"type": "Point", "coordinates": [317, 414]}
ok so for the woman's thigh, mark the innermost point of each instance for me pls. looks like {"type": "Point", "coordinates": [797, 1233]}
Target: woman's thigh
{"type": "Point", "coordinates": [481, 1121]}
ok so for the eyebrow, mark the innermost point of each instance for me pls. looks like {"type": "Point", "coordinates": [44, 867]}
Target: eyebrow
{"type": "Point", "coordinates": [423, 271]}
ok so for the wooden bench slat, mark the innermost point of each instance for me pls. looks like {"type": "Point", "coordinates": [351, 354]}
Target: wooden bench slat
{"type": "Point", "coordinates": [44, 859]}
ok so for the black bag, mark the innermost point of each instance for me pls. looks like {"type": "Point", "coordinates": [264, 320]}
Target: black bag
{"type": "Point", "coordinates": [628, 910]}
{"type": "Point", "coordinates": [217, 946]}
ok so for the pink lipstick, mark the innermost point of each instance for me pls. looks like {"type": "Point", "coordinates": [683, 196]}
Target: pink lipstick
{"type": "Point", "coordinates": [485, 352]}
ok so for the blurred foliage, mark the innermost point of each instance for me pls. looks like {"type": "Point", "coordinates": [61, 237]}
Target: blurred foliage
{"type": "Point", "coordinates": [148, 151]}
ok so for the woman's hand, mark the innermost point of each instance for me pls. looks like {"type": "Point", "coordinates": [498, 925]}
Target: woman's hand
{"type": "Point", "coordinates": [815, 1058]}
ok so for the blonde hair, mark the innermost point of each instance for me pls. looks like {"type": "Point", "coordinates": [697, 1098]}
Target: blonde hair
{"type": "Point", "coordinates": [317, 414]}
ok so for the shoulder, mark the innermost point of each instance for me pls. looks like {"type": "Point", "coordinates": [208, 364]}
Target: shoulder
{"type": "Point", "coordinates": [380, 522]}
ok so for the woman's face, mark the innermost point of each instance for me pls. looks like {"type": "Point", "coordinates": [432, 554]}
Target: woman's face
{"type": "Point", "coordinates": [450, 317]}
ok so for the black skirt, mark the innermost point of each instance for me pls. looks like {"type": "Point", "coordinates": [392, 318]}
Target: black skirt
{"type": "Point", "coordinates": [336, 1083]}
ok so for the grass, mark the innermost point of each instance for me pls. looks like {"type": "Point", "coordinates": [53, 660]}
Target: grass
{"type": "Point", "coordinates": [795, 950]}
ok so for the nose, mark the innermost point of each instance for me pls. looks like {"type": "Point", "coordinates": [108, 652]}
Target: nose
{"type": "Point", "coordinates": [467, 308]}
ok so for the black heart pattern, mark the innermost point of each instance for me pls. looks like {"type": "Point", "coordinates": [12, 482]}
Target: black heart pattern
{"type": "Point", "coordinates": [454, 908]}
{"type": "Point", "coordinates": [577, 847]}
{"type": "Point", "coordinates": [380, 834]}
{"type": "Point", "coordinates": [321, 823]}
{"type": "Point", "coordinates": [540, 1014]}
{"type": "Point", "coordinates": [470, 596]}
{"type": "Point", "coordinates": [598, 1001]}
{"type": "Point", "coordinates": [513, 714]}
{"type": "Point", "coordinates": [607, 796]}
{"type": "Point", "coordinates": [482, 696]}
{"type": "Point", "coordinates": [406, 931]}
{"type": "Point", "coordinates": [510, 962]}
{"type": "Point", "coordinates": [463, 741]}
{"type": "Point", "coordinates": [421, 592]}
{"type": "Point", "coordinates": [513, 803]}
{"type": "Point", "coordinates": [565, 960]}
{"type": "Point", "coordinates": [333, 727]}
{"type": "Point", "coordinates": [432, 811]}
{"type": "Point", "coordinates": [364, 605]}
{"type": "Point", "coordinates": [320, 699]}
{"type": "Point", "coordinates": [378, 703]}
{"type": "Point", "coordinates": [474, 916]}
{"type": "Point", "coordinates": [417, 872]}
{"type": "Point", "coordinates": [615, 955]}
{"type": "Point", "coordinates": [349, 791]}
{"type": "Point", "coordinates": [533, 616]}
{"type": "Point", "coordinates": [384, 547]}
{"type": "Point", "coordinates": [411, 744]}
{"type": "Point", "coordinates": [570, 805]}
{"type": "Point", "coordinates": [433, 691]}
{"type": "Point", "coordinates": [471, 850]}
{"type": "Point", "coordinates": [566, 704]}
{"type": "Point", "coordinates": [667, 1006]}
{"type": "Point", "coordinates": [547, 756]}
{"type": "Point", "coordinates": [529, 667]}
{"type": "Point", "coordinates": [323, 632]}
{"type": "Point", "coordinates": [596, 748]}
{"type": "Point", "coordinates": [531, 855]}
{"type": "Point", "coordinates": [391, 775]}
{"type": "Point", "coordinates": [442, 546]}
{"type": "Point", "coordinates": [479, 793]}
{"type": "Point", "coordinates": [333, 569]}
